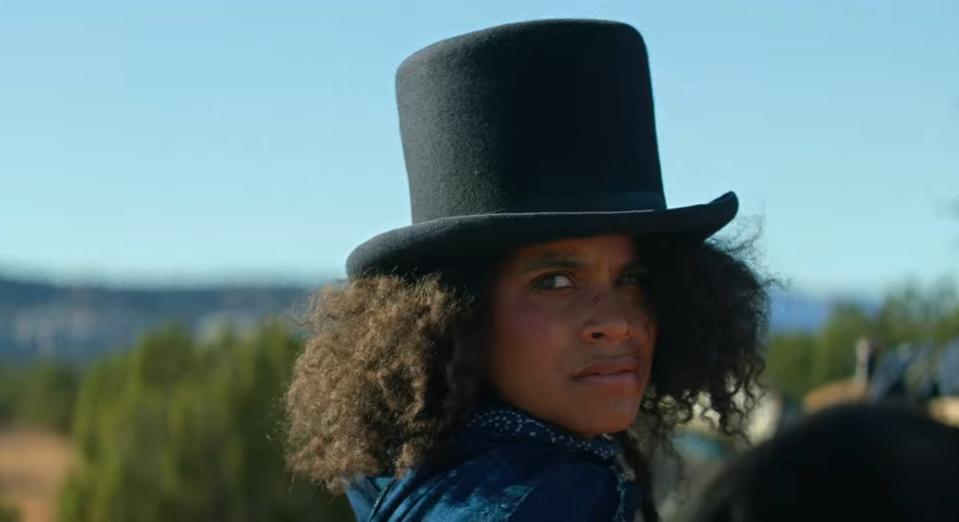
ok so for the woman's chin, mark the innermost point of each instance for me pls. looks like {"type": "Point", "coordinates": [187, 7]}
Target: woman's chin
{"type": "Point", "coordinates": [606, 421]}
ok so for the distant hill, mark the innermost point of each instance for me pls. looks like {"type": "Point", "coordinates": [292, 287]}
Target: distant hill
{"type": "Point", "coordinates": [798, 312]}
{"type": "Point", "coordinates": [79, 323]}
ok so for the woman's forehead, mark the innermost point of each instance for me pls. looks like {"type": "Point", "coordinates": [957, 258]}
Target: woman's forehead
{"type": "Point", "coordinates": [575, 251]}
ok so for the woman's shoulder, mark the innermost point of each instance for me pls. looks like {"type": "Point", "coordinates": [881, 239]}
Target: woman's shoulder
{"type": "Point", "coordinates": [565, 487]}
{"type": "Point", "coordinates": [515, 482]}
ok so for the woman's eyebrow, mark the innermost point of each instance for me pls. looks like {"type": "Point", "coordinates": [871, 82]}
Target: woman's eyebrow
{"type": "Point", "coordinates": [552, 260]}
{"type": "Point", "coordinates": [635, 265]}
{"type": "Point", "coordinates": [571, 262]}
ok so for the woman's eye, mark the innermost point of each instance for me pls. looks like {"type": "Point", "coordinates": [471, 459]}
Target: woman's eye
{"type": "Point", "coordinates": [553, 281]}
{"type": "Point", "coordinates": [635, 278]}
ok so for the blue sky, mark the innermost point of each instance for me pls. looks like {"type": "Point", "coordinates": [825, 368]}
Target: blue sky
{"type": "Point", "coordinates": [156, 142]}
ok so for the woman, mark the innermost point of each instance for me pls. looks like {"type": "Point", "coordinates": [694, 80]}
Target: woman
{"type": "Point", "coordinates": [504, 357]}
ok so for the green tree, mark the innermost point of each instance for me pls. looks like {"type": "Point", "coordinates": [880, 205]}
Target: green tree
{"type": "Point", "coordinates": [798, 362]}
{"type": "Point", "coordinates": [7, 512]}
{"type": "Point", "coordinates": [789, 363]}
{"type": "Point", "coordinates": [38, 395]}
{"type": "Point", "coordinates": [9, 392]}
{"type": "Point", "coordinates": [177, 430]}
{"type": "Point", "coordinates": [46, 397]}
{"type": "Point", "coordinates": [835, 356]}
{"type": "Point", "coordinates": [909, 315]}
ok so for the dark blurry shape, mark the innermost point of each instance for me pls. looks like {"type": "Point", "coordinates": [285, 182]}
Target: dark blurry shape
{"type": "Point", "coordinates": [848, 463]}
{"type": "Point", "coordinates": [179, 429]}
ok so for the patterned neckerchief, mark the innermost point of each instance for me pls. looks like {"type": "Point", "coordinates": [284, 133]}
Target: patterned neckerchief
{"type": "Point", "coordinates": [504, 420]}
{"type": "Point", "coordinates": [507, 420]}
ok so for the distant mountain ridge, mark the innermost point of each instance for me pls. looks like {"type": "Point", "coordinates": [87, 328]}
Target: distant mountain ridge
{"type": "Point", "coordinates": [79, 323]}
{"type": "Point", "coordinates": [82, 322]}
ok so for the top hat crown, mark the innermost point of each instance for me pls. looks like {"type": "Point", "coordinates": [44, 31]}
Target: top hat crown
{"type": "Point", "coordinates": [524, 133]}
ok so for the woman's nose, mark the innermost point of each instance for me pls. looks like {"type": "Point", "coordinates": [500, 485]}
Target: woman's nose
{"type": "Point", "coordinates": [608, 319]}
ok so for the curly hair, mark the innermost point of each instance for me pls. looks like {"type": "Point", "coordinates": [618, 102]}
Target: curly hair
{"type": "Point", "coordinates": [389, 368]}
{"type": "Point", "coordinates": [393, 364]}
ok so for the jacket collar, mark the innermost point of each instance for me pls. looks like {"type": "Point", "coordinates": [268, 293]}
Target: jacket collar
{"type": "Point", "coordinates": [495, 418]}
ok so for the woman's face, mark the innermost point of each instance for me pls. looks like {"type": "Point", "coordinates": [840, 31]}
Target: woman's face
{"type": "Point", "coordinates": [565, 308]}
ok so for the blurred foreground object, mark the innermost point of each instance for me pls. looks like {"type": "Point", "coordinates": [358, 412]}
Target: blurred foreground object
{"type": "Point", "coordinates": [860, 462]}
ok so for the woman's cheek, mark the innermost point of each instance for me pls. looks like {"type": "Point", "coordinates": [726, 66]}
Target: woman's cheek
{"type": "Point", "coordinates": [535, 322]}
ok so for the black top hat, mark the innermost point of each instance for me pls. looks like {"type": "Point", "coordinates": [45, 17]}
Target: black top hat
{"type": "Point", "coordinates": [525, 133]}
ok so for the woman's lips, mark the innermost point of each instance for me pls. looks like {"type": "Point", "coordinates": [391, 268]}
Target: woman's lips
{"type": "Point", "coordinates": [609, 368]}
{"type": "Point", "coordinates": [625, 377]}
{"type": "Point", "coordinates": [619, 371]}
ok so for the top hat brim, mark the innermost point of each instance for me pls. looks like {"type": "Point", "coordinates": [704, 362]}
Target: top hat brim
{"type": "Point", "coordinates": [427, 246]}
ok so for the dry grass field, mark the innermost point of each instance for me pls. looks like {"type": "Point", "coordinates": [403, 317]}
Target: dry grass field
{"type": "Point", "coordinates": [32, 466]}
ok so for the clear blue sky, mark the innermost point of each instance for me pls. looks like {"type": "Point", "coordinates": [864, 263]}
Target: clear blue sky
{"type": "Point", "coordinates": [150, 142]}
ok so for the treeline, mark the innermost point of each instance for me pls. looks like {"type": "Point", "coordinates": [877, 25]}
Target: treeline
{"type": "Point", "coordinates": [7, 512]}
{"type": "Point", "coordinates": [39, 395]}
{"type": "Point", "coordinates": [36, 396]}
{"type": "Point", "coordinates": [908, 317]}
{"type": "Point", "coordinates": [179, 430]}
{"type": "Point", "coordinates": [174, 429]}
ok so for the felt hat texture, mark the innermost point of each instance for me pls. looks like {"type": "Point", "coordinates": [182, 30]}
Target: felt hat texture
{"type": "Point", "coordinates": [526, 133]}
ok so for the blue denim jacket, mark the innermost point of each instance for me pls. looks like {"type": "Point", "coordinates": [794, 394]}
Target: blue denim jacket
{"type": "Point", "coordinates": [510, 466]}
